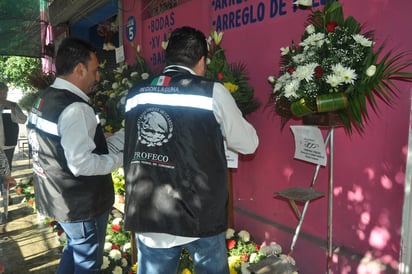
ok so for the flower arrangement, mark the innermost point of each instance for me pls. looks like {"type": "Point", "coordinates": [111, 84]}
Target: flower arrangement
{"type": "Point", "coordinates": [111, 91]}
{"type": "Point", "coordinates": [26, 187]}
{"type": "Point", "coordinates": [335, 69]}
{"type": "Point", "coordinates": [233, 76]}
{"type": "Point", "coordinates": [243, 252]}
{"type": "Point", "coordinates": [117, 249]}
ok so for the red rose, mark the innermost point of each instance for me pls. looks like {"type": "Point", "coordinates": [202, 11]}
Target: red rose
{"type": "Point", "coordinates": [19, 190]}
{"type": "Point", "coordinates": [291, 70]}
{"type": "Point", "coordinates": [257, 247]}
{"type": "Point", "coordinates": [219, 76]}
{"type": "Point", "coordinates": [244, 257]}
{"type": "Point", "coordinates": [115, 228]}
{"type": "Point", "coordinates": [331, 26]}
{"type": "Point", "coordinates": [60, 232]}
{"type": "Point", "coordinates": [318, 72]}
{"type": "Point", "coordinates": [231, 244]}
{"type": "Point", "coordinates": [31, 201]}
{"type": "Point", "coordinates": [115, 246]}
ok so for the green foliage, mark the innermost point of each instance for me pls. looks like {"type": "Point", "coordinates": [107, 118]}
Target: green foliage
{"type": "Point", "coordinates": [16, 70]}
{"type": "Point", "coordinates": [232, 75]}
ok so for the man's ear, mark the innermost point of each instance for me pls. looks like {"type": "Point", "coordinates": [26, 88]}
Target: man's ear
{"type": "Point", "coordinates": [200, 68]}
{"type": "Point", "coordinates": [80, 70]}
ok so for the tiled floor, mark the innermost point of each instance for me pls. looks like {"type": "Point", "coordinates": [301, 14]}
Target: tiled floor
{"type": "Point", "coordinates": [28, 245]}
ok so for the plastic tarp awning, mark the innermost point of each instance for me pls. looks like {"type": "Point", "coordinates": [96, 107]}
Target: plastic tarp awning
{"type": "Point", "coordinates": [22, 27]}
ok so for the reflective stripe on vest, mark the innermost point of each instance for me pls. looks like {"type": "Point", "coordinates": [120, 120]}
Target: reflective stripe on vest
{"type": "Point", "coordinates": [46, 125]}
{"type": "Point", "coordinates": [182, 100]}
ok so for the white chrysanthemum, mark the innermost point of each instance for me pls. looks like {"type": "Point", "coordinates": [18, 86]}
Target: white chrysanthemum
{"type": "Point", "coordinates": [338, 69]}
{"type": "Point", "coordinates": [344, 74]}
{"type": "Point", "coordinates": [117, 270]}
{"type": "Point", "coordinates": [315, 39]}
{"type": "Point", "coordinates": [117, 221]}
{"type": "Point", "coordinates": [145, 75]}
{"type": "Point", "coordinates": [299, 58]}
{"type": "Point", "coordinates": [103, 122]}
{"type": "Point", "coordinates": [108, 238]}
{"type": "Point", "coordinates": [282, 81]}
{"type": "Point", "coordinates": [123, 100]}
{"type": "Point", "coordinates": [333, 80]}
{"type": "Point", "coordinates": [134, 74]}
{"type": "Point", "coordinates": [310, 29]}
{"type": "Point", "coordinates": [371, 70]}
{"type": "Point", "coordinates": [107, 246]}
{"type": "Point", "coordinates": [127, 246]}
{"type": "Point", "coordinates": [349, 76]}
{"type": "Point", "coordinates": [112, 95]}
{"type": "Point", "coordinates": [230, 232]}
{"type": "Point", "coordinates": [360, 39]}
{"type": "Point", "coordinates": [115, 85]}
{"type": "Point", "coordinates": [115, 254]}
{"type": "Point", "coordinates": [284, 51]}
{"type": "Point", "coordinates": [291, 88]}
{"type": "Point", "coordinates": [305, 72]}
{"type": "Point", "coordinates": [106, 263]}
{"type": "Point", "coordinates": [244, 235]}
{"type": "Point", "coordinates": [124, 262]}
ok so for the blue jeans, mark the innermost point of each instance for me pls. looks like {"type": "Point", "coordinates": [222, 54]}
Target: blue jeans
{"type": "Point", "coordinates": [85, 243]}
{"type": "Point", "coordinates": [209, 257]}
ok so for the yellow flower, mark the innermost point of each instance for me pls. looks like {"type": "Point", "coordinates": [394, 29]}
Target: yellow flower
{"type": "Point", "coordinates": [108, 128]}
{"type": "Point", "coordinates": [134, 268]}
{"type": "Point", "coordinates": [186, 271]}
{"type": "Point", "coordinates": [231, 87]}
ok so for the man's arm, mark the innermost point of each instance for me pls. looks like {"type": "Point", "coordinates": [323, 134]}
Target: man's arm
{"type": "Point", "coordinates": [240, 135]}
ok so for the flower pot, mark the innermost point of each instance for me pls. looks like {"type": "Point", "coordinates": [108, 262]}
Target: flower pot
{"type": "Point", "coordinates": [300, 108]}
{"type": "Point", "coordinates": [331, 102]}
{"type": "Point", "coordinates": [325, 119]}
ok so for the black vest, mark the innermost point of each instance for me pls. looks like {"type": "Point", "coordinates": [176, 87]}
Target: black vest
{"type": "Point", "coordinates": [175, 164]}
{"type": "Point", "coordinates": [10, 128]}
{"type": "Point", "coordinates": [58, 193]}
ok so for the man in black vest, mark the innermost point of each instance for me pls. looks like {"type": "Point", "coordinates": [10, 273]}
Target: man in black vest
{"type": "Point", "coordinates": [175, 163]}
{"type": "Point", "coordinates": [71, 161]}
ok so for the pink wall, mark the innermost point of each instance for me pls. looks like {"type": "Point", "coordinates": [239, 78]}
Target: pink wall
{"type": "Point", "coordinates": [369, 168]}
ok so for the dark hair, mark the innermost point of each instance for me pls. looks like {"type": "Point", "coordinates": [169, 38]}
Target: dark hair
{"type": "Point", "coordinates": [185, 47]}
{"type": "Point", "coordinates": [71, 52]}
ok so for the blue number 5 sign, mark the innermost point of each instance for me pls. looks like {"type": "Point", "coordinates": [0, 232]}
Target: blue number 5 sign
{"type": "Point", "coordinates": [131, 28]}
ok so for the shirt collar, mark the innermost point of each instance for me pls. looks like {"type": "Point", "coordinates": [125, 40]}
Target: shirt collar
{"type": "Point", "coordinates": [60, 83]}
{"type": "Point", "coordinates": [177, 67]}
